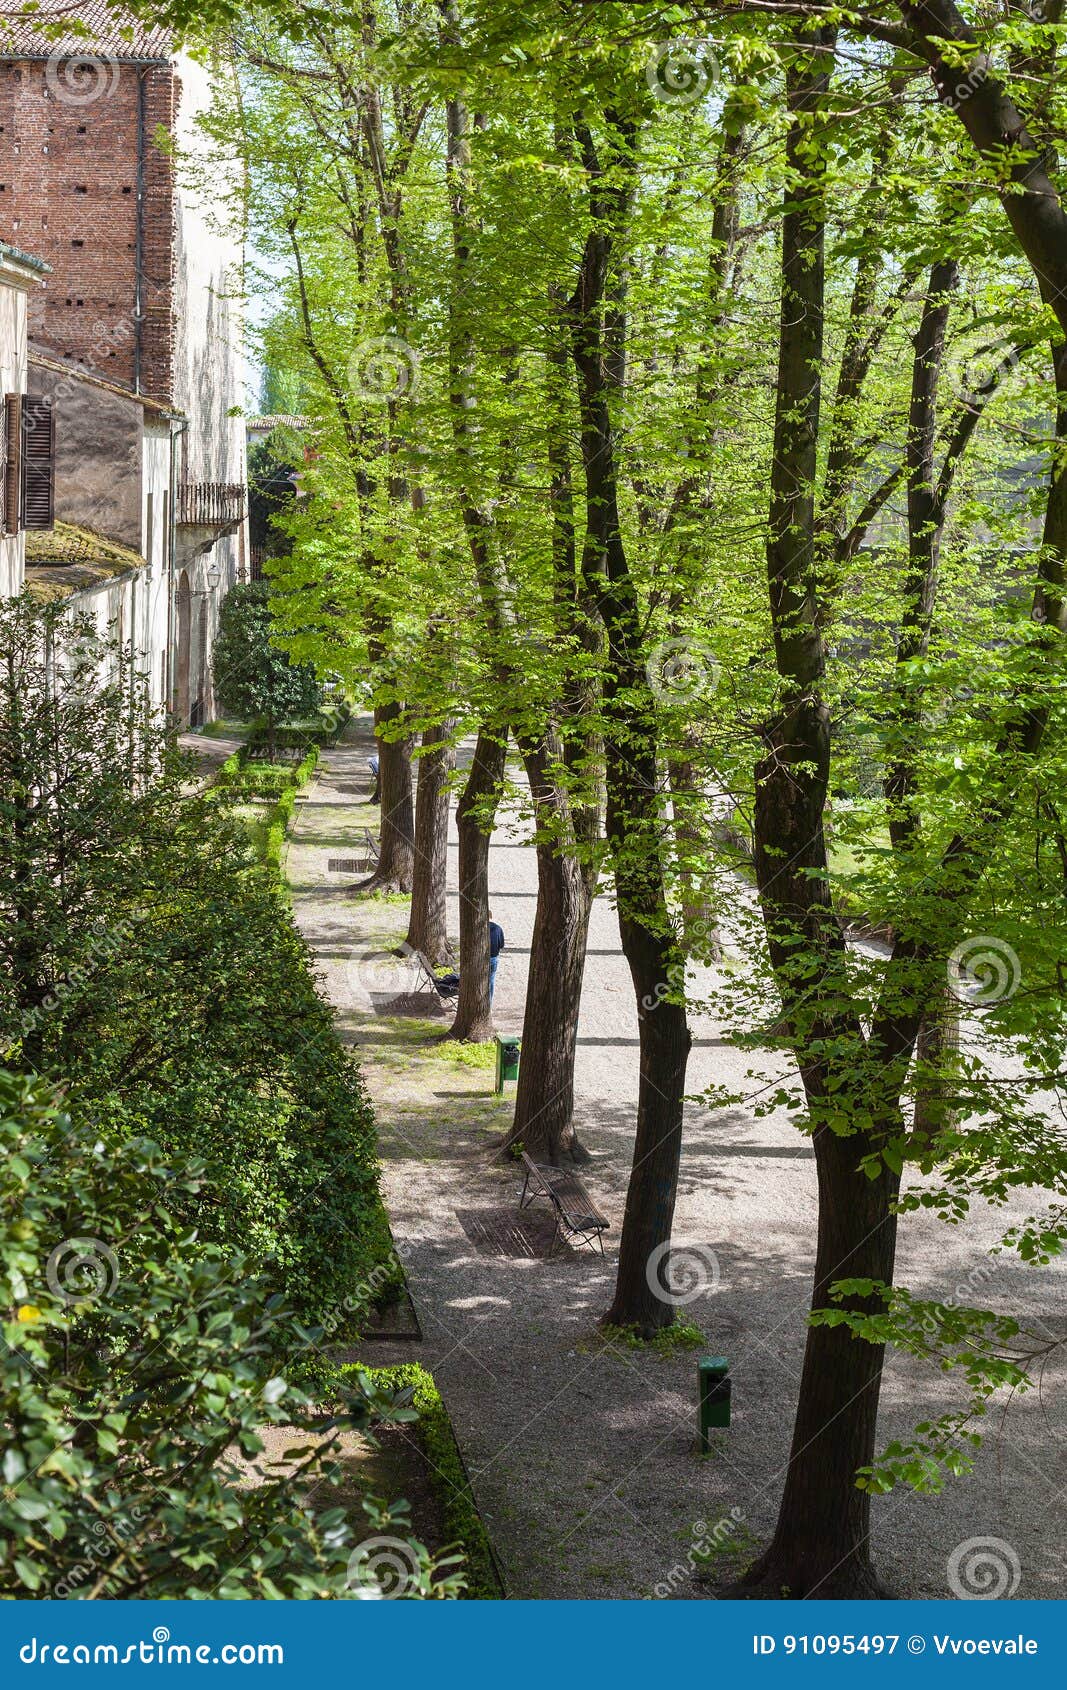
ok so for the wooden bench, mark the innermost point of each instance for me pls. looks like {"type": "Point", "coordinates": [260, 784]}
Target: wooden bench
{"type": "Point", "coordinates": [575, 1213]}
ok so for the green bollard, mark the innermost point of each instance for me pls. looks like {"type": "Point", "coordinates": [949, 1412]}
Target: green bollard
{"type": "Point", "coordinates": [713, 1387]}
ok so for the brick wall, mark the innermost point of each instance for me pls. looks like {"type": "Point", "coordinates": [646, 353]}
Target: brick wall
{"type": "Point", "coordinates": [68, 194]}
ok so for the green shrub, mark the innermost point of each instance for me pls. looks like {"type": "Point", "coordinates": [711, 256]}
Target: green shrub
{"type": "Point", "coordinates": [136, 1376]}
{"type": "Point", "coordinates": [146, 959]}
{"type": "Point", "coordinates": [321, 729]}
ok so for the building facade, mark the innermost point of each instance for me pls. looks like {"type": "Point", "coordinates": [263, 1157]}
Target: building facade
{"type": "Point", "coordinates": [135, 334]}
{"type": "Point", "coordinates": [19, 275]}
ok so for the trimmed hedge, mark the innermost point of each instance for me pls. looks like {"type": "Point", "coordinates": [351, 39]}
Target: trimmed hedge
{"type": "Point", "coordinates": [282, 813]}
{"type": "Point", "coordinates": [151, 967]}
{"type": "Point", "coordinates": [194, 1020]}
{"type": "Point", "coordinates": [446, 1473]}
{"type": "Point", "coordinates": [241, 778]}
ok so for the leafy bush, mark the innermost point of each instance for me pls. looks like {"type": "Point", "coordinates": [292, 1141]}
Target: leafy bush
{"type": "Point", "coordinates": [136, 1377]}
{"type": "Point", "coordinates": [149, 961]}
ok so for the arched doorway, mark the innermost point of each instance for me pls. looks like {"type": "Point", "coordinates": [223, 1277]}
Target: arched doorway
{"type": "Point", "coordinates": [182, 655]}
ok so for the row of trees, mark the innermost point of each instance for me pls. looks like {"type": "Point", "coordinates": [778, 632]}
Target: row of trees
{"type": "Point", "coordinates": [688, 394]}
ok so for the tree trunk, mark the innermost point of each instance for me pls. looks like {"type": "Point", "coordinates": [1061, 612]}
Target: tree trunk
{"type": "Point", "coordinates": [396, 851]}
{"type": "Point", "coordinates": [642, 1285]}
{"type": "Point", "coordinates": [634, 823]}
{"type": "Point", "coordinates": [474, 821]}
{"type": "Point", "coordinates": [821, 1546]}
{"type": "Point", "coordinates": [937, 1048]}
{"type": "Point", "coordinates": [428, 927]}
{"type": "Point", "coordinates": [1031, 202]}
{"type": "Point", "coordinates": [821, 1542]}
{"type": "Point", "coordinates": [699, 925]}
{"type": "Point", "coordinates": [544, 1101]}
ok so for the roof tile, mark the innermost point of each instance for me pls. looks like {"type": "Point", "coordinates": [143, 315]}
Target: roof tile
{"type": "Point", "coordinates": [106, 31]}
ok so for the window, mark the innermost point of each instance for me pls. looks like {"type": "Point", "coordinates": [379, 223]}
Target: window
{"type": "Point", "coordinates": [38, 463]}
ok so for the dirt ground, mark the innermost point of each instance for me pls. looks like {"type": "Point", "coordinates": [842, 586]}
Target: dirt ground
{"type": "Point", "coordinates": [583, 1453]}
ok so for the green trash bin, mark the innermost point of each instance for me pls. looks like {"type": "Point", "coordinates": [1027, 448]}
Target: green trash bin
{"type": "Point", "coordinates": [507, 1060]}
{"type": "Point", "coordinates": [713, 1385]}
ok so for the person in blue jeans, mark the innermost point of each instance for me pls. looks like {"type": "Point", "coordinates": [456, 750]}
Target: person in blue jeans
{"type": "Point", "coordinates": [496, 945]}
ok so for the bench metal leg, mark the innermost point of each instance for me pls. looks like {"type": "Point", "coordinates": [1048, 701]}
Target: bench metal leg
{"type": "Point", "coordinates": [557, 1229]}
{"type": "Point", "coordinates": [594, 1235]}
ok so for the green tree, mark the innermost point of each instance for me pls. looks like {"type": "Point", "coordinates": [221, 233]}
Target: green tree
{"type": "Point", "coordinates": [254, 677]}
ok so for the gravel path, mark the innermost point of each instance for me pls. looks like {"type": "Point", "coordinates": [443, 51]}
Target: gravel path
{"type": "Point", "coordinates": [583, 1454]}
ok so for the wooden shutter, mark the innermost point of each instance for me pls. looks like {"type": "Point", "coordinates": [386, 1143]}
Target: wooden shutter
{"type": "Point", "coordinates": [38, 463]}
{"type": "Point", "coordinates": [12, 431]}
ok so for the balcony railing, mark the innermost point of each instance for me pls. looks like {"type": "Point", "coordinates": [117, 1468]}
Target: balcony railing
{"type": "Point", "coordinates": [212, 504]}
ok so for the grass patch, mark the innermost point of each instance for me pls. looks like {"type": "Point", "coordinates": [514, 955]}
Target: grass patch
{"type": "Point", "coordinates": [467, 1055]}
{"type": "Point", "coordinates": [670, 1340]}
{"type": "Point", "coordinates": [729, 1540]}
{"type": "Point", "coordinates": [408, 1030]}
{"type": "Point", "coordinates": [253, 817]}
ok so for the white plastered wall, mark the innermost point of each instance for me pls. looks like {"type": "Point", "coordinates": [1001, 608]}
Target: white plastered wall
{"type": "Point", "coordinates": [211, 373]}
{"type": "Point", "coordinates": [12, 380]}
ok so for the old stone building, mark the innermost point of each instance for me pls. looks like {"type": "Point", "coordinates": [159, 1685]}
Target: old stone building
{"type": "Point", "coordinates": [134, 333]}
